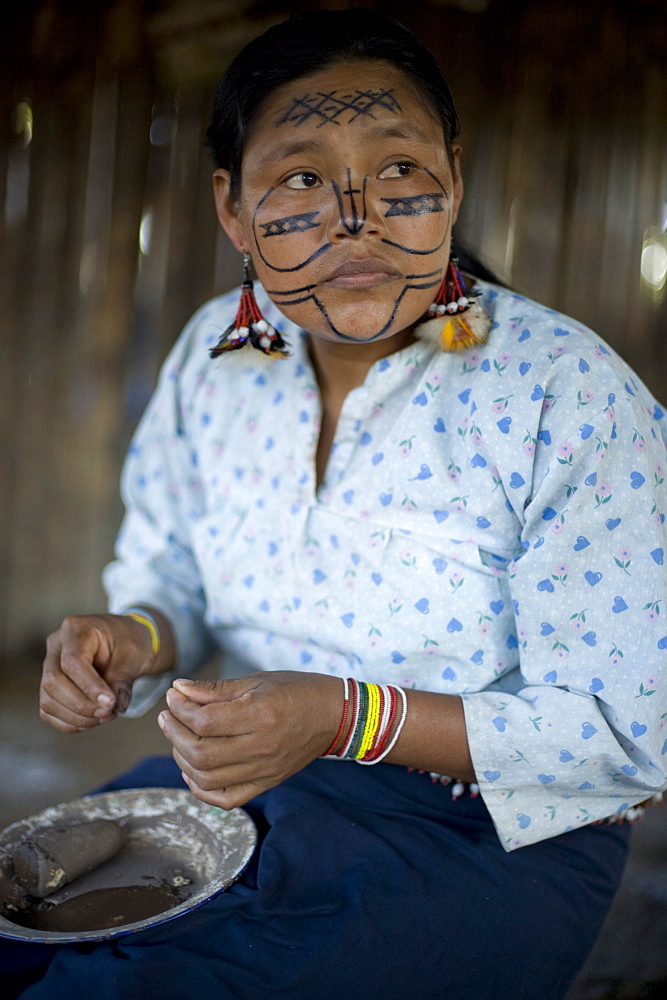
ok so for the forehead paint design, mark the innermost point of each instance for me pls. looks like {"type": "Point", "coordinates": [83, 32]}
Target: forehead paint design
{"type": "Point", "coordinates": [417, 204]}
{"type": "Point", "coordinates": [412, 280]}
{"type": "Point", "coordinates": [290, 224]}
{"type": "Point", "coordinates": [338, 107]}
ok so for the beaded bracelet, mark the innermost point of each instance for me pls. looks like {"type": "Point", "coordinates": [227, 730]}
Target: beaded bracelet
{"type": "Point", "coordinates": [341, 728]}
{"type": "Point", "coordinates": [383, 753]}
{"type": "Point", "coordinates": [372, 709]}
{"type": "Point", "coordinates": [141, 616]}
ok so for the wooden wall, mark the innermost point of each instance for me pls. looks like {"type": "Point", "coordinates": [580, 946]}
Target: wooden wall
{"type": "Point", "coordinates": [108, 239]}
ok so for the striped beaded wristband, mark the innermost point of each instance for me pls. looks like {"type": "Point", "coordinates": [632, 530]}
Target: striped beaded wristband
{"type": "Point", "coordinates": [341, 728]}
{"type": "Point", "coordinates": [372, 716]}
{"type": "Point", "coordinates": [141, 616]}
{"type": "Point", "coordinates": [382, 753]}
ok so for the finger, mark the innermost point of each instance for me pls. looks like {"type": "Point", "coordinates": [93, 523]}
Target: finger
{"type": "Point", "coordinates": [217, 776]}
{"type": "Point", "coordinates": [206, 692]}
{"type": "Point", "coordinates": [212, 762]}
{"type": "Point", "coordinates": [202, 754]}
{"type": "Point", "coordinates": [65, 727]}
{"type": "Point", "coordinates": [211, 720]}
{"type": "Point", "coordinates": [54, 708]}
{"type": "Point", "coordinates": [81, 645]}
{"type": "Point", "coordinates": [225, 798]}
{"type": "Point", "coordinates": [178, 735]}
{"type": "Point", "coordinates": [60, 696]}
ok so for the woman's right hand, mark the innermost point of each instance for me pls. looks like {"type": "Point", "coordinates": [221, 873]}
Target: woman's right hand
{"type": "Point", "coordinates": [90, 666]}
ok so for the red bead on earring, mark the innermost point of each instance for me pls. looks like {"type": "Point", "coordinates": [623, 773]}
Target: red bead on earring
{"type": "Point", "coordinates": [250, 326]}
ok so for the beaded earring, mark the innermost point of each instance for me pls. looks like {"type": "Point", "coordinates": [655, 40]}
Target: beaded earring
{"type": "Point", "coordinates": [250, 326]}
{"type": "Point", "coordinates": [465, 322]}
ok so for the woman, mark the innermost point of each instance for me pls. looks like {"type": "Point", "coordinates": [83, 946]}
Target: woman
{"type": "Point", "coordinates": [445, 555]}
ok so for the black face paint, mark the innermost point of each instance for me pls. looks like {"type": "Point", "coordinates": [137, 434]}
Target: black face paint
{"type": "Point", "coordinates": [338, 107]}
{"type": "Point", "coordinates": [418, 204]}
{"type": "Point", "coordinates": [290, 224]}
{"type": "Point", "coordinates": [366, 340]}
{"type": "Point", "coordinates": [285, 300]}
{"type": "Point", "coordinates": [283, 270]}
{"type": "Point", "coordinates": [401, 246]}
{"type": "Point", "coordinates": [356, 223]}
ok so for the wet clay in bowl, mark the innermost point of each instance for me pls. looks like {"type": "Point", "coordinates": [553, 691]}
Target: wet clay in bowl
{"type": "Point", "coordinates": [175, 853]}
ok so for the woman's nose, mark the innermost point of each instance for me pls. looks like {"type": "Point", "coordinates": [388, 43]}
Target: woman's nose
{"type": "Point", "coordinates": [355, 215]}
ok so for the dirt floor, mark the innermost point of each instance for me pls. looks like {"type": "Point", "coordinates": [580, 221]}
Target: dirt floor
{"type": "Point", "coordinates": [41, 767]}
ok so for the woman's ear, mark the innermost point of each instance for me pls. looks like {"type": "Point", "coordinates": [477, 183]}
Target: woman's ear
{"type": "Point", "coordinates": [457, 194]}
{"type": "Point", "coordinates": [229, 210]}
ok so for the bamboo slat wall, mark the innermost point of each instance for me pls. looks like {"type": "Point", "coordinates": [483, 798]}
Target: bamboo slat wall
{"type": "Point", "coordinates": [109, 239]}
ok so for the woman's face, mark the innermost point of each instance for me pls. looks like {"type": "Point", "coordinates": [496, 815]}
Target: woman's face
{"type": "Point", "coordinates": [348, 202]}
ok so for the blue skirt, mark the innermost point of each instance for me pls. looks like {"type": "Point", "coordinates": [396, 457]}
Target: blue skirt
{"type": "Point", "coordinates": [367, 882]}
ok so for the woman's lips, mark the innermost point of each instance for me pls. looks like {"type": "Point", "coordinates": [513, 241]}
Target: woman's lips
{"type": "Point", "coordinates": [363, 273]}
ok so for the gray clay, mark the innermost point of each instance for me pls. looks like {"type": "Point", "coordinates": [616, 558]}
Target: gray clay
{"type": "Point", "coordinates": [55, 855]}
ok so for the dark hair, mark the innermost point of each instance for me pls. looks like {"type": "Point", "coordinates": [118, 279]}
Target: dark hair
{"type": "Point", "coordinates": [301, 46]}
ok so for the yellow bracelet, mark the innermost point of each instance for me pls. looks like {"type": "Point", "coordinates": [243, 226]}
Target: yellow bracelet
{"type": "Point", "coordinates": [372, 719]}
{"type": "Point", "coordinates": [144, 619]}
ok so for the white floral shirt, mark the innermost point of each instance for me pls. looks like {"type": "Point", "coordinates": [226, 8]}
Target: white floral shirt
{"type": "Point", "coordinates": [491, 524]}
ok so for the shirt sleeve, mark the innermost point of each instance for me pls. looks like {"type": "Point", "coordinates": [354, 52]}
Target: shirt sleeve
{"type": "Point", "coordinates": [155, 564]}
{"type": "Point", "coordinates": [583, 736]}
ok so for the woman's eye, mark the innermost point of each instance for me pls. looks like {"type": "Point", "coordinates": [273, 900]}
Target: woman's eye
{"type": "Point", "coordinates": [302, 181]}
{"type": "Point", "coordinates": [397, 170]}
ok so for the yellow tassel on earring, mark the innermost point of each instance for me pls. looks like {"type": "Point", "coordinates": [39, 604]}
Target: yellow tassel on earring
{"type": "Point", "coordinates": [456, 333]}
{"type": "Point", "coordinates": [455, 321]}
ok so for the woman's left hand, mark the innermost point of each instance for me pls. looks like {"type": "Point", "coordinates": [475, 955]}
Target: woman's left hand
{"type": "Point", "coordinates": [236, 738]}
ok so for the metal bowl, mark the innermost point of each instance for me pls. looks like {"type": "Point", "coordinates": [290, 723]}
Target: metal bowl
{"type": "Point", "coordinates": [171, 837]}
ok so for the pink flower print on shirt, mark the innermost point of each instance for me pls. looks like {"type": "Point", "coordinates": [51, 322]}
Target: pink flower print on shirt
{"type": "Point", "coordinates": [557, 352]}
{"type": "Point", "coordinates": [615, 655]}
{"type": "Point", "coordinates": [578, 621]}
{"type": "Point", "coordinates": [623, 558]}
{"type": "Point", "coordinates": [638, 442]}
{"type": "Point", "coordinates": [485, 622]}
{"type": "Point", "coordinates": [565, 453]}
{"type": "Point", "coordinates": [652, 611]}
{"type": "Point", "coordinates": [499, 666]}
{"type": "Point", "coordinates": [501, 362]}
{"type": "Point", "coordinates": [603, 494]}
{"type": "Point", "coordinates": [584, 397]}
{"type": "Point", "coordinates": [460, 504]}
{"type": "Point", "coordinates": [499, 405]}
{"type": "Point", "coordinates": [405, 446]}
{"type": "Point", "coordinates": [453, 472]}
{"type": "Point", "coordinates": [560, 571]}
